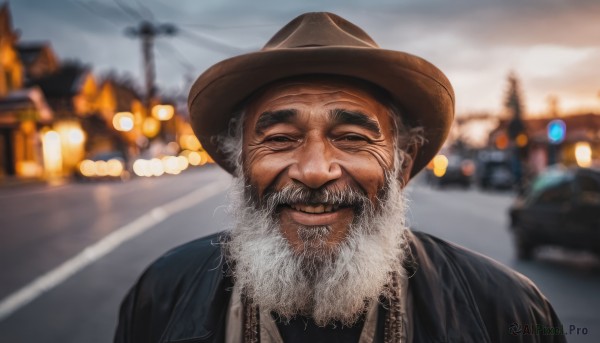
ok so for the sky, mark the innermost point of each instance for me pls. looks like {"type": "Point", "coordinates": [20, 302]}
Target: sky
{"type": "Point", "coordinates": [553, 46]}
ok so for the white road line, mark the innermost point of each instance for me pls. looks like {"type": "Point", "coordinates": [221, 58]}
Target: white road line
{"type": "Point", "coordinates": [53, 278]}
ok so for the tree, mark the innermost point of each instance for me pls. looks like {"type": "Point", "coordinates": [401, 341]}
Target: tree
{"type": "Point", "coordinates": [124, 79]}
{"type": "Point", "coordinates": [516, 131]}
{"type": "Point", "coordinates": [514, 106]}
{"type": "Point", "coordinates": [514, 98]}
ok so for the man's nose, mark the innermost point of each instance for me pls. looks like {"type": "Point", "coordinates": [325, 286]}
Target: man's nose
{"type": "Point", "coordinates": [315, 165]}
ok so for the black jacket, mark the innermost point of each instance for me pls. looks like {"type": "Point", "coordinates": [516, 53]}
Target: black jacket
{"type": "Point", "coordinates": [458, 296]}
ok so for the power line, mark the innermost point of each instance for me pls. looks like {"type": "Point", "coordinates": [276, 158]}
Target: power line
{"type": "Point", "coordinates": [188, 75]}
{"type": "Point", "coordinates": [145, 9]}
{"type": "Point", "coordinates": [212, 43]}
{"type": "Point", "coordinates": [95, 10]}
{"type": "Point", "coordinates": [231, 27]}
{"type": "Point", "coordinates": [130, 11]}
{"type": "Point", "coordinates": [183, 61]}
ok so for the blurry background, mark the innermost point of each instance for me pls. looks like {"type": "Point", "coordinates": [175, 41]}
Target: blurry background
{"type": "Point", "coordinates": [100, 172]}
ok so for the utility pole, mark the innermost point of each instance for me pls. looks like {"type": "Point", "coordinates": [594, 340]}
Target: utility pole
{"type": "Point", "coordinates": [147, 32]}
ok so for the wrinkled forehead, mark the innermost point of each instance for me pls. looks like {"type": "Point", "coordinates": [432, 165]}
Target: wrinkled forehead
{"type": "Point", "coordinates": [325, 90]}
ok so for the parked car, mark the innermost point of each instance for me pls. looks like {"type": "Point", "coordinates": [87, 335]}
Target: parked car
{"type": "Point", "coordinates": [494, 170]}
{"type": "Point", "coordinates": [560, 208]}
{"type": "Point", "coordinates": [495, 175]}
{"type": "Point", "coordinates": [452, 170]}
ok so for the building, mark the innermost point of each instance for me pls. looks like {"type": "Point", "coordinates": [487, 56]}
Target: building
{"type": "Point", "coordinates": [119, 96]}
{"type": "Point", "coordinates": [11, 68]}
{"type": "Point", "coordinates": [44, 106]}
{"type": "Point", "coordinates": [54, 114]}
{"type": "Point", "coordinates": [70, 92]}
{"type": "Point", "coordinates": [23, 111]}
{"type": "Point", "coordinates": [38, 60]}
{"type": "Point", "coordinates": [581, 138]}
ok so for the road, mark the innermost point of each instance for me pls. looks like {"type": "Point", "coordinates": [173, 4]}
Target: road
{"type": "Point", "coordinates": [65, 279]}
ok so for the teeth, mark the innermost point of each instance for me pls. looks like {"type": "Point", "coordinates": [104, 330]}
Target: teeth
{"type": "Point", "coordinates": [314, 209]}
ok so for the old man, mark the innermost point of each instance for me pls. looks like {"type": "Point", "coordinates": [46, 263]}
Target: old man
{"type": "Point", "coordinates": [322, 130]}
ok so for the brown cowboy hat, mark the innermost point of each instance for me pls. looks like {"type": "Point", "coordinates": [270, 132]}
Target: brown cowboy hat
{"type": "Point", "coordinates": [324, 43]}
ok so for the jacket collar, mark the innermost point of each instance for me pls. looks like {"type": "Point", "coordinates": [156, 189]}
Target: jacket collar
{"type": "Point", "coordinates": [200, 314]}
{"type": "Point", "coordinates": [444, 308]}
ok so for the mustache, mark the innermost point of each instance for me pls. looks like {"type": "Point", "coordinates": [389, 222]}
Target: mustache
{"type": "Point", "coordinates": [299, 194]}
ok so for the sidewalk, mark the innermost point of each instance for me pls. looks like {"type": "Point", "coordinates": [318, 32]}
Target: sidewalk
{"type": "Point", "coordinates": [12, 182]}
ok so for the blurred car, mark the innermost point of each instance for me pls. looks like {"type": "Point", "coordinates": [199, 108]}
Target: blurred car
{"type": "Point", "coordinates": [451, 170]}
{"type": "Point", "coordinates": [103, 166]}
{"type": "Point", "coordinates": [494, 170]}
{"type": "Point", "coordinates": [495, 175]}
{"type": "Point", "coordinates": [560, 208]}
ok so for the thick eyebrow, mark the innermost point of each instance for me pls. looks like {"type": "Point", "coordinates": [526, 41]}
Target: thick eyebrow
{"type": "Point", "coordinates": [341, 116]}
{"type": "Point", "coordinates": [270, 118]}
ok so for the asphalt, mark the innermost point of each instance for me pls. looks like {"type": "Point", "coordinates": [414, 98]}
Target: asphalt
{"type": "Point", "coordinates": [44, 227]}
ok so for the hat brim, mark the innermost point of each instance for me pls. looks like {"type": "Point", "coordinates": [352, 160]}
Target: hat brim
{"type": "Point", "coordinates": [422, 92]}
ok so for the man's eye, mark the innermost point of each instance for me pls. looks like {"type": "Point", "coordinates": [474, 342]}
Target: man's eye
{"type": "Point", "coordinates": [352, 138]}
{"type": "Point", "coordinates": [279, 139]}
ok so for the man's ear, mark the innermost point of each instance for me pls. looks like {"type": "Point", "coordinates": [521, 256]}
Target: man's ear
{"type": "Point", "coordinates": [407, 164]}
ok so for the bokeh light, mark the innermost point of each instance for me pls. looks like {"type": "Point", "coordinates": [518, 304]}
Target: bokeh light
{"type": "Point", "coordinates": [190, 142]}
{"type": "Point", "coordinates": [115, 167]}
{"type": "Point", "coordinates": [123, 121]}
{"type": "Point", "coordinates": [87, 168]}
{"type": "Point", "coordinates": [501, 141]}
{"type": "Point", "coordinates": [156, 168]}
{"type": "Point", "coordinates": [583, 154]}
{"type": "Point", "coordinates": [557, 130]}
{"type": "Point", "coordinates": [521, 140]}
{"type": "Point", "coordinates": [440, 164]}
{"type": "Point", "coordinates": [150, 127]}
{"type": "Point", "coordinates": [76, 136]}
{"type": "Point", "coordinates": [194, 158]}
{"type": "Point", "coordinates": [163, 112]}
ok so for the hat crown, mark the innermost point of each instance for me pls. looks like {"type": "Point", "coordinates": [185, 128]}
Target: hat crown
{"type": "Point", "coordinates": [319, 29]}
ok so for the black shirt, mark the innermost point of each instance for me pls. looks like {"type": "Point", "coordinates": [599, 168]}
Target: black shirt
{"type": "Point", "coordinates": [302, 329]}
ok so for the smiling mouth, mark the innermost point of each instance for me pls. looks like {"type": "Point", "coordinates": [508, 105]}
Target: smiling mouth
{"type": "Point", "coordinates": [317, 214]}
{"type": "Point", "coordinates": [315, 209]}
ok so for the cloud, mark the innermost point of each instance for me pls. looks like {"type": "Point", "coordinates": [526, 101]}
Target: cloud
{"type": "Point", "coordinates": [549, 43]}
{"type": "Point", "coordinates": [577, 85]}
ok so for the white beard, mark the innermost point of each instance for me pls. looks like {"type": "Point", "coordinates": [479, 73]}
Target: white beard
{"type": "Point", "coordinates": [335, 287]}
